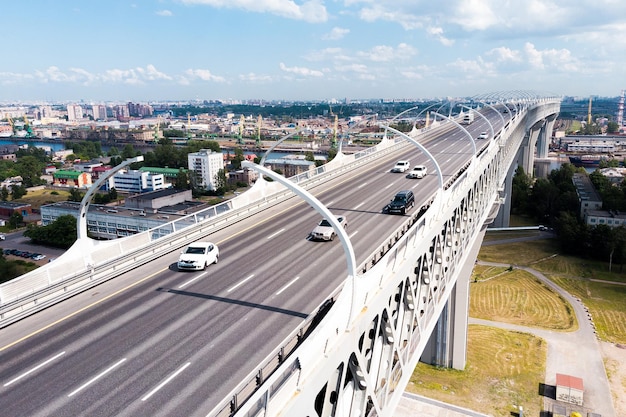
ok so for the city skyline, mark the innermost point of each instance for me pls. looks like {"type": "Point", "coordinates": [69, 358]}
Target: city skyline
{"type": "Point", "coordinates": [309, 50]}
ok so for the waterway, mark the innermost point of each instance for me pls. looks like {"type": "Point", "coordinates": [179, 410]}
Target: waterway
{"type": "Point", "coordinates": [56, 146]}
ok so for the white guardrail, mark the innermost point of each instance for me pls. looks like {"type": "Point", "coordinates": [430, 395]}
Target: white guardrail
{"type": "Point", "coordinates": [89, 262]}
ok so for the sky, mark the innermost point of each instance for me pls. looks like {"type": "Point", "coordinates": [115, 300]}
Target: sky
{"type": "Point", "coordinates": [151, 50]}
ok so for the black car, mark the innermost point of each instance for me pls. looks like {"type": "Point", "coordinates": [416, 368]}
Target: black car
{"type": "Point", "coordinates": [403, 201]}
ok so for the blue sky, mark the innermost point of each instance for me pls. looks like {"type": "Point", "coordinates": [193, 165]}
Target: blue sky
{"type": "Point", "coordinates": [118, 50]}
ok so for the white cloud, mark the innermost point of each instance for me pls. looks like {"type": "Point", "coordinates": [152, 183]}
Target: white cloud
{"type": "Point", "coordinates": [165, 13]}
{"type": "Point", "coordinates": [255, 78]}
{"type": "Point", "coordinates": [503, 54]}
{"type": "Point", "coordinates": [335, 34]}
{"type": "Point", "coordinates": [384, 53]}
{"type": "Point", "coordinates": [312, 11]}
{"type": "Point", "coordinates": [328, 54]}
{"type": "Point", "coordinates": [204, 75]}
{"type": "Point", "coordinates": [301, 71]}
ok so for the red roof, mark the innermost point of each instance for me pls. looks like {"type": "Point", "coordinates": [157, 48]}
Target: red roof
{"type": "Point", "coordinates": [569, 381]}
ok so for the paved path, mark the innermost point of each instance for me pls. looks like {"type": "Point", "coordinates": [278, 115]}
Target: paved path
{"type": "Point", "coordinates": [575, 353]}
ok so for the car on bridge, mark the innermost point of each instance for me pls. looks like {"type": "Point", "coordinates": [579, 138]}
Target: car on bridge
{"type": "Point", "coordinates": [197, 256]}
{"type": "Point", "coordinates": [401, 203]}
{"type": "Point", "coordinates": [325, 231]}
{"type": "Point", "coordinates": [483, 135]}
{"type": "Point", "coordinates": [401, 166]}
{"type": "Point", "coordinates": [418, 171]}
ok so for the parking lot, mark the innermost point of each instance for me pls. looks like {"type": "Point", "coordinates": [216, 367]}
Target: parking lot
{"type": "Point", "coordinates": [16, 246]}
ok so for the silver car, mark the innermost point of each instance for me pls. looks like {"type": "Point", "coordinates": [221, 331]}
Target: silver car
{"type": "Point", "coordinates": [325, 231]}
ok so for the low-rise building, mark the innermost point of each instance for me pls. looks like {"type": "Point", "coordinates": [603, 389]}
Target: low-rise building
{"type": "Point", "coordinates": [290, 166]}
{"type": "Point", "coordinates": [140, 213]}
{"type": "Point", "coordinates": [588, 197]}
{"type": "Point", "coordinates": [135, 181]}
{"type": "Point", "coordinates": [71, 178]}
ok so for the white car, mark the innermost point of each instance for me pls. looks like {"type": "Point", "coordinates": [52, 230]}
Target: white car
{"type": "Point", "coordinates": [483, 135]}
{"type": "Point", "coordinates": [418, 171]}
{"type": "Point", "coordinates": [3, 237]}
{"type": "Point", "coordinates": [324, 230]}
{"type": "Point", "coordinates": [401, 166]}
{"type": "Point", "coordinates": [197, 256]}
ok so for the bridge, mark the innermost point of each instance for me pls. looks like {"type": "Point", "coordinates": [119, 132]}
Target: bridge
{"type": "Point", "coordinates": [282, 325]}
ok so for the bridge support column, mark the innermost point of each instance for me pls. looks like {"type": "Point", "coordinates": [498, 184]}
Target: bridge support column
{"type": "Point", "coordinates": [447, 345]}
{"type": "Point", "coordinates": [527, 149]}
{"type": "Point", "coordinates": [504, 214]}
{"type": "Point", "coordinates": [543, 142]}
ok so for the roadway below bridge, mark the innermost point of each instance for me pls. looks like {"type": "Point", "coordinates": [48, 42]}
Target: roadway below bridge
{"type": "Point", "coordinates": [159, 342]}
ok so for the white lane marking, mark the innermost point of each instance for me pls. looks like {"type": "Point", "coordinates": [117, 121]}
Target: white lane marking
{"type": "Point", "coordinates": [34, 369]}
{"type": "Point", "coordinates": [239, 283]}
{"type": "Point", "coordinates": [329, 203]}
{"type": "Point", "coordinates": [390, 185]}
{"type": "Point", "coordinates": [293, 281]}
{"type": "Point", "coordinates": [358, 205]}
{"type": "Point", "coordinates": [95, 378]}
{"type": "Point", "coordinates": [193, 279]}
{"type": "Point", "coordinates": [162, 384]}
{"type": "Point", "coordinates": [362, 185]}
{"type": "Point", "coordinates": [275, 234]}
{"type": "Point", "coordinates": [354, 233]}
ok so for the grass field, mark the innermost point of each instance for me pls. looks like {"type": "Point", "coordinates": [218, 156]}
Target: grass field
{"type": "Point", "coordinates": [517, 297]}
{"type": "Point", "coordinates": [606, 302]}
{"type": "Point", "coordinates": [39, 198]}
{"type": "Point", "coordinates": [503, 369]}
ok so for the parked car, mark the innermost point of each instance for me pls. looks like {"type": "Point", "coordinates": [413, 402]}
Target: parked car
{"type": "Point", "coordinates": [401, 203]}
{"type": "Point", "coordinates": [401, 166]}
{"type": "Point", "coordinates": [37, 256]}
{"type": "Point", "coordinates": [418, 171]}
{"type": "Point", "coordinates": [197, 256]}
{"type": "Point", "coordinates": [3, 237]}
{"type": "Point", "coordinates": [325, 231]}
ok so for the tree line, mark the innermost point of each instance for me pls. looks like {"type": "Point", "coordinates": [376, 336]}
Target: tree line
{"type": "Point", "coordinates": [553, 201]}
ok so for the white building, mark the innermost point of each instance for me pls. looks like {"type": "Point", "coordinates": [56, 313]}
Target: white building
{"type": "Point", "coordinates": [206, 164]}
{"type": "Point", "coordinates": [135, 181]}
{"type": "Point", "coordinates": [99, 112]}
{"type": "Point", "coordinates": [74, 112]}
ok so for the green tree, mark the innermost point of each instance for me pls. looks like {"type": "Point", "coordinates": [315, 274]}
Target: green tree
{"type": "Point", "coordinates": [221, 182]}
{"type": "Point", "coordinates": [61, 233]}
{"type": "Point", "coordinates": [182, 180]}
{"type": "Point", "coordinates": [17, 192]}
{"type": "Point", "coordinates": [4, 193]}
{"type": "Point", "coordinates": [75, 195]}
{"type": "Point", "coordinates": [612, 127]}
{"type": "Point", "coordinates": [520, 191]}
{"type": "Point", "coordinates": [238, 158]}
{"type": "Point", "coordinates": [15, 220]}
{"type": "Point", "coordinates": [30, 169]}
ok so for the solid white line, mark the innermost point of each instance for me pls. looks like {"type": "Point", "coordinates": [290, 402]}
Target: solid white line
{"type": "Point", "coordinates": [100, 375]}
{"type": "Point", "coordinates": [359, 205]}
{"type": "Point", "coordinates": [288, 285]}
{"type": "Point", "coordinates": [275, 234]}
{"type": "Point", "coordinates": [192, 280]}
{"type": "Point", "coordinates": [352, 235]}
{"type": "Point", "coordinates": [34, 369]}
{"type": "Point", "coordinates": [162, 384]}
{"type": "Point", "coordinates": [239, 283]}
